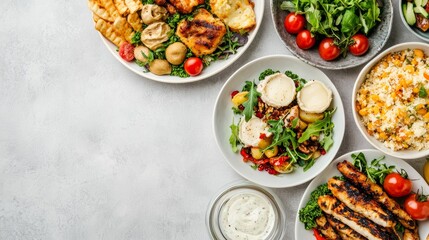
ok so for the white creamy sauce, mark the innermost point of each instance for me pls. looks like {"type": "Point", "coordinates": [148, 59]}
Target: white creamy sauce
{"type": "Point", "coordinates": [249, 215]}
{"type": "Point", "coordinates": [250, 131]}
{"type": "Point", "coordinates": [314, 97]}
{"type": "Point", "coordinates": [277, 90]}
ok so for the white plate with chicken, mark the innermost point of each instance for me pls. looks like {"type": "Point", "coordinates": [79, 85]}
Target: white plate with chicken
{"type": "Point", "coordinates": [356, 198]}
{"type": "Point", "coordinates": [176, 41]}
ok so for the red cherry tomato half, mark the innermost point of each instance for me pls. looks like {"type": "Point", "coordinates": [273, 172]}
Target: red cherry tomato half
{"type": "Point", "coordinates": [294, 23]}
{"type": "Point", "coordinates": [416, 207]}
{"type": "Point", "coordinates": [304, 40]}
{"type": "Point", "coordinates": [193, 66]}
{"type": "Point", "coordinates": [360, 45]}
{"type": "Point", "coordinates": [126, 51]}
{"type": "Point", "coordinates": [396, 185]}
{"type": "Point", "coordinates": [328, 50]}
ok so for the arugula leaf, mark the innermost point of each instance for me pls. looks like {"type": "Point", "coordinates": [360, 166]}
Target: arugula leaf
{"type": "Point", "coordinates": [375, 171]}
{"type": "Point", "coordinates": [266, 73]}
{"type": "Point", "coordinates": [276, 127]}
{"type": "Point", "coordinates": [350, 22]}
{"type": "Point", "coordinates": [324, 126]}
{"type": "Point", "coordinates": [422, 92]}
{"type": "Point", "coordinates": [301, 81]}
{"type": "Point", "coordinates": [233, 139]}
{"type": "Point", "coordinates": [252, 100]}
{"type": "Point", "coordinates": [136, 39]}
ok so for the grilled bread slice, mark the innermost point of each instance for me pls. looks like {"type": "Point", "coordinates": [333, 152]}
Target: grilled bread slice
{"type": "Point", "coordinates": [360, 180]}
{"type": "Point", "coordinates": [360, 202]}
{"type": "Point", "coordinates": [202, 34]}
{"type": "Point", "coordinates": [331, 205]}
{"type": "Point", "coordinates": [237, 14]}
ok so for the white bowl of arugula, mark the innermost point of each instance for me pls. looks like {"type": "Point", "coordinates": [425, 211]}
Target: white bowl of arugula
{"type": "Point", "coordinates": [278, 145]}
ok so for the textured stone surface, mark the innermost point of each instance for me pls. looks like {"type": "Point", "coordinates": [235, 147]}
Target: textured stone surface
{"type": "Point", "coordinates": [89, 150]}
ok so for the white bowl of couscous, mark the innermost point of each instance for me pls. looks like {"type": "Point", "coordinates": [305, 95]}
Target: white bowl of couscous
{"type": "Point", "coordinates": [391, 101]}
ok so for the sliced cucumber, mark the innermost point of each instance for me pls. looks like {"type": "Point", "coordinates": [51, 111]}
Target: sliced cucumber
{"type": "Point", "coordinates": [422, 11]}
{"type": "Point", "coordinates": [418, 2]}
{"type": "Point", "coordinates": [409, 14]}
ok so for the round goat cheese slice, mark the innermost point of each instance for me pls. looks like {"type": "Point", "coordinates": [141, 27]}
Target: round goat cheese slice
{"type": "Point", "coordinates": [249, 132]}
{"type": "Point", "coordinates": [314, 97]}
{"type": "Point", "coordinates": [277, 90]}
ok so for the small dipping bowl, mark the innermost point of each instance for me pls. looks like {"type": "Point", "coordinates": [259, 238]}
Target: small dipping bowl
{"type": "Point", "coordinates": [235, 210]}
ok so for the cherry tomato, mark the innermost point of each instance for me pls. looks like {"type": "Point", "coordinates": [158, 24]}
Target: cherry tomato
{"type": "Point", "coordinates": [304, 40]}
{"type": "Point", "coordinates": [193, 66]}
{"type": "Point", "coordinates": [294, 23]}
{"type": "Point", "coordinates": [360, 45]}
{"type": "Point", "coordinates": [417, 206]}
{"type": "Point", "coordinates": [328, 50]}
{"type": "Point", "coordinates": [397, 185]}
{"type": "Point", "coordinates": [126, 51]}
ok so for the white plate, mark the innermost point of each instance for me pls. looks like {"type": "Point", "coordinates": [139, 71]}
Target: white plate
{"type": "Point", "coordinates": [404, 154]}
{"type": "Point", "coordinates": [331, 170]}
{"type": "Point", "coordinates": [223, 116]}
{"type": "Point", "coordinates": [209, 71]}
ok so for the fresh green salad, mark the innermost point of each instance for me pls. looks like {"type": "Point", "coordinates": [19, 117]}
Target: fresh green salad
{"type": "Point", "coordinates": [281, 126]}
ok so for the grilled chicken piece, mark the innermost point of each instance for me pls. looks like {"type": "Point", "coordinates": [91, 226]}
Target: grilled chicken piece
{"type": "Point", "coordinates": [202, 34]}
{"type": "Point", "coordinates": [186, 6]}
{"type": "Point", "coordinates": [331, 205]}
{"type": "Point", "coordinates": [345, 232]}
{"type": "Point", "coordinates": [326, 229]}
{"type": "Point", "coordinates": [360, 180]}
{"type": "Point", "coordinates": [411, 234]}
{"type": "Point", "coordinates": [360, 202]}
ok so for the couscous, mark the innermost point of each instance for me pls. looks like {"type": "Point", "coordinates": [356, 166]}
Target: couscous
{"type": "Point", "coordinates": [393, 100]}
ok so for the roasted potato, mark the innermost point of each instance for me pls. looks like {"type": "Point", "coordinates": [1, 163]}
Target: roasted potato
{"type": "Point", "coordinates": [310, 117]}
{"type": "Point", "coordinates": [256, 153]}
{"type": "Point", "coordinates": [272, 152]}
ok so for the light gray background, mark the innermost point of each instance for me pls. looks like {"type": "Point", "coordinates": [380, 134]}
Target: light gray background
{"type": "Point", "coordinates": [89, 150]}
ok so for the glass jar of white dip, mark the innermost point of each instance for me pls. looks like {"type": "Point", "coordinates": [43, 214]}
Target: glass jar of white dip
{"type": "Point", "coordinates": [245, 210]}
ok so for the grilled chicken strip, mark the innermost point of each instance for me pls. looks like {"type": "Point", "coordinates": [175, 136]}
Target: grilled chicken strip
{"type": "Point", "coordinates": [326, 229]}
{"type": "Point", "coordinates": [331, 205]}
{"type": "Point", "coordinates": [411, 234]}
{"type": "Point", "coordinates": [202, 34]}
{"type": "Point", "coordinates": [361, 180]}
{"type": "Point", "coordinates": [360, 202]}
{"type": "Point", "coordinates": [345, 232]}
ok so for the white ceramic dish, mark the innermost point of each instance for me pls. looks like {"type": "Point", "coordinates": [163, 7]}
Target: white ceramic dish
{"type": "Point", "coordinates": [414, 30]}
{"type": "Point", "coordinates": [209, 71]}
{"type": "Point", "coordinates": [405, 154]}
{"type": "Point", "coordinates": [331, 171]}
{"type": "Point", "coordinates": [223, 116]}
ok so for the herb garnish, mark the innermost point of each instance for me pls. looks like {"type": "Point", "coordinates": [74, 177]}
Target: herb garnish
{"type": "Point", "coordinates": [312, 211]}
{"type": "Point", "coordinates": [252, 99]}
{"type": "Point", "coordinates": [324, 126]}
{"type": "Point", "coordinates": [422, 92]}
{"type": "Point", "coordinates": [233, 139]}
{"type": "Point", "coordinates": [375, 171]}
{"type": "Point", "coordinates": [266, 73]}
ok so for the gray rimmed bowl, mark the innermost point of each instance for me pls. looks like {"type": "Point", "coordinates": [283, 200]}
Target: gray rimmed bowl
{"type": "Point", "coordinates": [413, 29]}
{"type": "Point", "coordinates": [377, 39]}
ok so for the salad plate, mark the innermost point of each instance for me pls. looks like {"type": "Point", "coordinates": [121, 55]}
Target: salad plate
{"type": "Point", "coordinates": [223, 116]}
{"type": "Point", "coordinates": [377, 38]}
{"type": "Point", "coordinates": [208, 71]}
{"type": "Point", "coordinates": [418, 184]}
